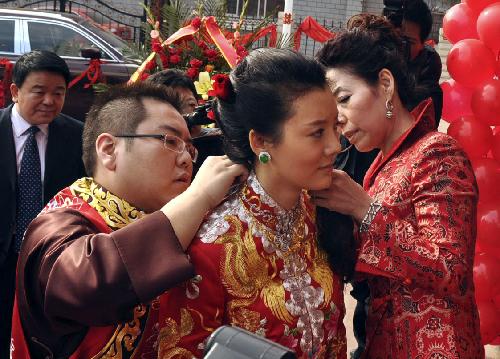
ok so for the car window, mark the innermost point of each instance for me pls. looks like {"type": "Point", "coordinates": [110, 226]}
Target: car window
{"type": "Point", "coordinates": [7, 35]}
{"type": "Point", "coordinates": [59, 39]}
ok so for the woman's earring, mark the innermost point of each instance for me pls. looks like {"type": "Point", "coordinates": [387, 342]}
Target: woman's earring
{"type": "Point", "coordinates": [264, 157]}
{"type": "Point", "coordinates": [389, 108]}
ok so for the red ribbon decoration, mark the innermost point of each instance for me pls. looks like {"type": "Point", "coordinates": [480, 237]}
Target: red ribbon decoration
{"type": "Point", "coordinates": [179, 34]}
{"type": "Point", "coordinates": [5, 81]}
{"type": "Point", "coordinates": [227, 50]}
{"type": "Point", "coordinates": [213, 30]}
{"type": "Point", "coordinates": [93, 73]}
{"type": "Point", "coordinates": [271, 29]}
{"type": "Point", "coordinates": [314, 30]}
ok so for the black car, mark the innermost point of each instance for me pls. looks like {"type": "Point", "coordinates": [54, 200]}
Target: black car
{"type": "Point", "coordinates": [69, 36]}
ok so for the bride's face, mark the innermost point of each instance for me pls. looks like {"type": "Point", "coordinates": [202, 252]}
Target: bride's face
{"type": "Point", "coordinates": [304, 156]}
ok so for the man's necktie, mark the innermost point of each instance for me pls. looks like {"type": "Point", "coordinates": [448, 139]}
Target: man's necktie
{"type": "Point", "coordinates": [29, 187]}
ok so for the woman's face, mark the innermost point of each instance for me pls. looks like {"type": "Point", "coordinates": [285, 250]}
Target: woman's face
{"type": "Point", "coordinates": [304, 156]}
{"type": "Point", "coordinates": [362, 114]}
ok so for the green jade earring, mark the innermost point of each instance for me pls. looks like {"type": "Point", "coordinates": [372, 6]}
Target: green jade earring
{"type": "Point", "coordinates": [264, 157]}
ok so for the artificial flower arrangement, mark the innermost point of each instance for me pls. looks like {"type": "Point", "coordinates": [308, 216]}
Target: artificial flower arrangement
{"type": "Point", "coordinates": [199, 44]}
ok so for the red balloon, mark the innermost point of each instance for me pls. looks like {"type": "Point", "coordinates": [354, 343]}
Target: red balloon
{"type": "Point", "coordinates": [488, 319]}
{"type": "Point", "coordinates": [496, 301]}
{"type": "Point", "coordinates": [488, 27]}
{"type": "Point", "coordinates": [459, 23]}
{"type": "Point", "coordinates": [495, 149]}
{"type": "Point", "coordinates": [478, 5]}
{"type": "Point", "coordinates": [485, 273]}
{"type": "Point", "coordinates": [456, 100]}
{"type": "Point", "coordinates": [485, 102]}
{"type": "Point", "coordinates": [475, 137]}
{"type": "Point", "coordinates": [487, 172]}
{"type": "Point", "coordinates": [470, 62]}
{"type": "Point", "coordinates": [488, 227]}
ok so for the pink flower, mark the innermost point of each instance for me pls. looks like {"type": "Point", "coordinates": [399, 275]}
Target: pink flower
{"type": "Point", "coordinates": [154, 34]}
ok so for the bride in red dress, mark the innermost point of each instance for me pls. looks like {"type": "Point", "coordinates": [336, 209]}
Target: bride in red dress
{"type": "Point", "coordinates": [257, 259]}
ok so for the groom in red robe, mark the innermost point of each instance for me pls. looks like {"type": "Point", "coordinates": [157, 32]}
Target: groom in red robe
{"type": "Point", "coordinates": [95, 259]}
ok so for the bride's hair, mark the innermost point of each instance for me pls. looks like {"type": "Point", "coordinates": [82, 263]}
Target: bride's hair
{"type": "Point", "coordinates": [263, 88]}
{"type": "Point", "coordinates": [265, 85]}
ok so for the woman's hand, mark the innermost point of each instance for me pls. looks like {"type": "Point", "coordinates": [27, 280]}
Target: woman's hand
{"type": "Point", "coordinates": [344, 196]}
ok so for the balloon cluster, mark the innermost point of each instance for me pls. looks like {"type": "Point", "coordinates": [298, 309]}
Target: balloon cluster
{"type": "Point", "coordinates": [472, 107]}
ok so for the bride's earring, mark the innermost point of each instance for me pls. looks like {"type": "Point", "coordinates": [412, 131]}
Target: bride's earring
{"type": "Point", "coordinates": [264, 157]}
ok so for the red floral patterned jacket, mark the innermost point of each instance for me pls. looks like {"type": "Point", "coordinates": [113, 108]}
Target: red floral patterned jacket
{"type": "Point", "coordinates": [418, 251]}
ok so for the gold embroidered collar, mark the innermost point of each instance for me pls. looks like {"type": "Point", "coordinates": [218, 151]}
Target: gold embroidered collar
{"type": "Point", "coordinates": [116, 212]}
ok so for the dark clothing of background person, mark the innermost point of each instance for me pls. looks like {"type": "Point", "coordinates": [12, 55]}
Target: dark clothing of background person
{"type": "Point", "coordinates": [63, 164]}
{"type": "Point", "coordinates": [356, 164]}
{"type": "Point", "coordinates": [208, 144]}
{"type": "Point", "coordinates": [426, 68]}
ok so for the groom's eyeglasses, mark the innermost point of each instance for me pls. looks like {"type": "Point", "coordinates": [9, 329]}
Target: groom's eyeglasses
{"type": "Point", "coordinates": [170, 142]}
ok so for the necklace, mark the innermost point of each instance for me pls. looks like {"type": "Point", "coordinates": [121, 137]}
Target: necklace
{"type": "Point", "coordinates": [289, 226]}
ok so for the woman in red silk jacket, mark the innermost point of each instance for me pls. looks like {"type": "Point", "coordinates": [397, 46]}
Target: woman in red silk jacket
{"type": "Point", "coordinates": [417, 210]}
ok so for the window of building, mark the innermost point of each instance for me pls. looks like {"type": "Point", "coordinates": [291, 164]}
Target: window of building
{"type": "Point", "coordinates": [7, 36]}
{"type": "Point", "coordinates": [258, 8]}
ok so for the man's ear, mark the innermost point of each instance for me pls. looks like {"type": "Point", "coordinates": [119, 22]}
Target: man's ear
{"type": "Point", "coordinates": [258, 142]}
{"type": "Point", "coordinates": [14, 91]}
{"type": "Point", "coordinates": [106, 149]}
{"type": "Point", "coordinates": [387, 82]}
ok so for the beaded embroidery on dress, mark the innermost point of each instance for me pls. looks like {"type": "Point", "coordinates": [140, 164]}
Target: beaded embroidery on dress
{"type": "Point", "coordinates": [259, 268]}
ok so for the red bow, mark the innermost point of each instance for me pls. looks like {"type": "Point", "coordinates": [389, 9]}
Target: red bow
{"type": "Point", "coordinates": [93, 73]}
{"type": "Point", "coordinates": [313, 29]}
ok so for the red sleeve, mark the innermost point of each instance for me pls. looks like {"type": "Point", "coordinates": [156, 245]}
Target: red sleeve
{"type": "Point", "coordinates": [191, 312]}
{"type": "Point", "coordinates": [432, 245]}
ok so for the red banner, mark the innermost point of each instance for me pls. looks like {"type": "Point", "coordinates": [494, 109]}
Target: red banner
{"type": "Point", "coordinates": [312, 29]}
{"type": "Point", "coordinates": [271, 29]}
{"type": "Point", "coordinates": [5, 81]}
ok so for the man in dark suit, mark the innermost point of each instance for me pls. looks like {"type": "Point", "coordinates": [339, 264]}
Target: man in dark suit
{"type": "Point", "coordinates": [40, 153]}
